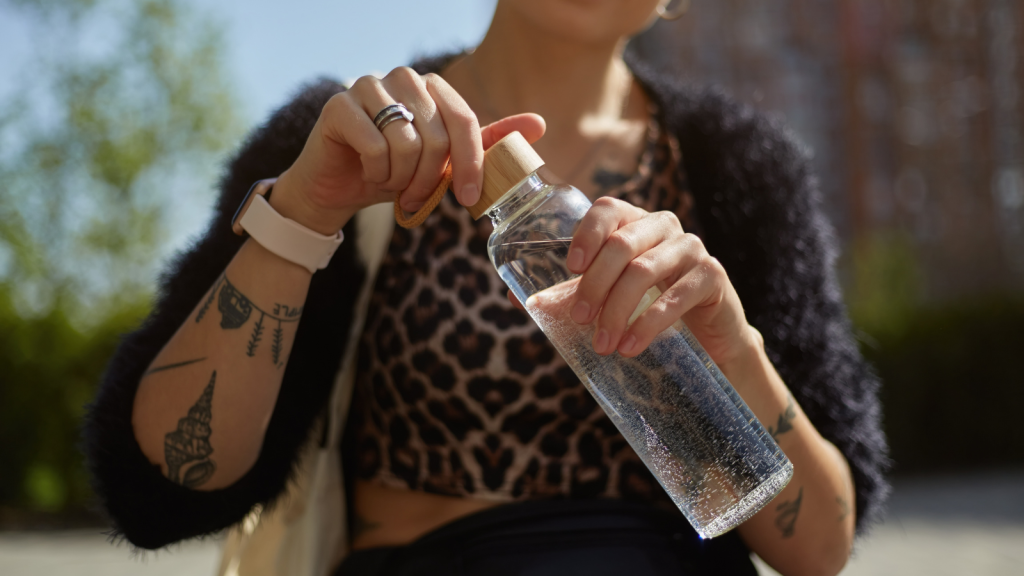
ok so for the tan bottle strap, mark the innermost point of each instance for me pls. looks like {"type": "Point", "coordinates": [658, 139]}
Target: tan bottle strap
{"type": "Point", "coordinates": [421, 215]}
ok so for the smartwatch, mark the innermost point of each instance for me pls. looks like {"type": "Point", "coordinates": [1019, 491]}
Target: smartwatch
{"type": "Point", "coordinates": [282, 236]}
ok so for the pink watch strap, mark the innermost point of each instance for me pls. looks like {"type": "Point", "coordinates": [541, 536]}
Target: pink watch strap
{"type": "Point", "coordinates": [287, 238]}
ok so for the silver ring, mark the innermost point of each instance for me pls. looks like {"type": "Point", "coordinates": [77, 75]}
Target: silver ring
{"type": "Point", "coordinates": [390, 114]}
{"type": "Point", "coordinates": [399, 115]}
{"type": "Point", "coordinates": [665, 14]}
{"type": "Point", "coordinates": [387, 110]}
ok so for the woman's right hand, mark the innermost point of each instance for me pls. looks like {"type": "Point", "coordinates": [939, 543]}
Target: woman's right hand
{"type": "Point", "coordinates": [348, 164]}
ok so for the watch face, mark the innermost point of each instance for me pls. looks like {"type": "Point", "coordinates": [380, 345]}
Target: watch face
{"type": "Point", "coordinates": [262, 188]}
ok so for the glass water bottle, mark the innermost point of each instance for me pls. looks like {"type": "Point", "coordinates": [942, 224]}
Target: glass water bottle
{"type": "Point", "coordinates": [671, 402]}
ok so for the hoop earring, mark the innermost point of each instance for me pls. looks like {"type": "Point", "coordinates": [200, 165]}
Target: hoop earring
{"type": "Point", "coordinates": [665, 14]}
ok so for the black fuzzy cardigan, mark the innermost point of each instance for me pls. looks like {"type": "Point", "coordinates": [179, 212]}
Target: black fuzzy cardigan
{"type": "Point", "coordinates": [761, 215]}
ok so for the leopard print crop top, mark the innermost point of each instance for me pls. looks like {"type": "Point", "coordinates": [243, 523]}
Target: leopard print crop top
{"type": "Point", "coordinates": [459, 393]}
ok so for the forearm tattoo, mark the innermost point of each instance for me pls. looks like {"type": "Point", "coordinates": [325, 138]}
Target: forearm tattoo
{"type": "Point", "coordinates": [844, 508]}
{"type": "Point", "coordinates": [788, 511]}
{"type": "Point", "coordinates": [361, 525]}
{"type": "Point", "coordinates": [236, 309]}
{"type": "Point", "coordinates": [187, 450]}
{"type": "Point", "coordinates": [173, 366]}
{"type": "Point", "coordinates": [785, 423]}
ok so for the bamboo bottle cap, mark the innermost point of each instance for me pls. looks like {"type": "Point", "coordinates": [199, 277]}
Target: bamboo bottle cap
{"type": "Point", "coordinates": [505, 164]}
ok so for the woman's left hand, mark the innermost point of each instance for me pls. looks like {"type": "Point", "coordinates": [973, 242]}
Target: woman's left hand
{"type": "Point", "coordinates": [622, 251]}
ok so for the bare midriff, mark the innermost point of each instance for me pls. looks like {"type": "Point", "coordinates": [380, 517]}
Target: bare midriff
{"type": "Point", "coordinates": [393, 517]}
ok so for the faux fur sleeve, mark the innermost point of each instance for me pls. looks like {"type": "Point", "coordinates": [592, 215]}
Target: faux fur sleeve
{"type": "Point", "coordinates": [143, 506]}
{"type": "Point", "coordinates": [761, 215]}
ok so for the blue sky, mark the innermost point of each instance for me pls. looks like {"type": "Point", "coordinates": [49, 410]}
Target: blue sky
{"type": "Point", "coordinates": [273, 46]}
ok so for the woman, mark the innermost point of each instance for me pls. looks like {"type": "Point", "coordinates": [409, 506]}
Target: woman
{"type": "Point", "coordinates": [461, 405]}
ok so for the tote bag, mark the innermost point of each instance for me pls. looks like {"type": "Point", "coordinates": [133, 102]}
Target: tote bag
{"type": "Point", "coordinates": [304, 534]}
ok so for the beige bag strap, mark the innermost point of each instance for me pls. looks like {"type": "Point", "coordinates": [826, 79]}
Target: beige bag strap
{"type": "Point", "coordinates": [305, 533]}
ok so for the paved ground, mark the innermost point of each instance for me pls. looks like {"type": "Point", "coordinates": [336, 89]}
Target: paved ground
{"type": "Point", "coordinates": [87, 553]}
{"type": "Point", "coordinates": [964, 525]}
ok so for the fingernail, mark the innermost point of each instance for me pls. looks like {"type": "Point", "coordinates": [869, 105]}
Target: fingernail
{"type": "Point", "coordinates": [627, 345]}
{"type": "Point", "coordinates": [581, 312]}
{"type": "Point", "coordinates": [575, 261]}
{"type": "Point", "coordinates": [470, 194]}
{"type": "Point", "coordinates": [414, 206]}
{"type": "Point", "coordinates": [602, 341]}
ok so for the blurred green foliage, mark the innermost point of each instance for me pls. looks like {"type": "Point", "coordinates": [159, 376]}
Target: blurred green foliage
{"type": "Point", "coordinates": [82, 205]}
{"type": "Point", "coordinates": [50, 368]}
{"type": "Point", "coordinates": [886, 283]}
{"type": "Point", "coordinates": [93, 147]}
{"type": "Point", "coordinates": [953, 385]}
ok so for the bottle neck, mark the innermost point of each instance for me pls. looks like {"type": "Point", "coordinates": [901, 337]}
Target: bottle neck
{"type": "Point", "coordinates": [516, 199]}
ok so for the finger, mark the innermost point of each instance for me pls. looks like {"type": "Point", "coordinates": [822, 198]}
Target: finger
{"type": "Point", "coordinates": [515, 301]}
{"type": "Point", "coordinates": [466, 148]}
{"type": "Point", "coordinates": [621, 255]}
{"type": "Point", "coordinates": [410, 88]}
{"type": "Point", "coordinates": [605, 217]}
{"type": "Point", "coordinates": [404, 142]}
{"type": "Point", "coordinates": [610, 241]}
{"type": "Point", "coordinates": [344, 121]}
{"type": "Point", "coordinates": [658, 264]}
{"type": "Point", "coordinates": [531, 126]}
{"type": "Point", "coordinates": [702, 285]}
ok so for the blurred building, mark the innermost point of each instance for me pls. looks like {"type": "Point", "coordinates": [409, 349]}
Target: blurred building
{"type": "Point", "coordinates": [912, 109]}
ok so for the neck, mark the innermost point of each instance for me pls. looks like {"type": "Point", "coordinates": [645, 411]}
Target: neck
{"type": "Point", "coordinates": [521, 69]}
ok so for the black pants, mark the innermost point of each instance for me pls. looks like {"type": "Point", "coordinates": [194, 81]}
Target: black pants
{"type": "Point", "coordinates": [559, 538]}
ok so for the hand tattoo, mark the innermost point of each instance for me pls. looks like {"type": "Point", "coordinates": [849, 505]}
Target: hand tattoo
{"type": "Point", "coordinates": [187, 450]}
{"type": "Point", "coordinates": [785, 421]}
{"type": "Point", "coordinates": [788, 511]}
{"type": "Point", "coordinates": [236, 309]}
